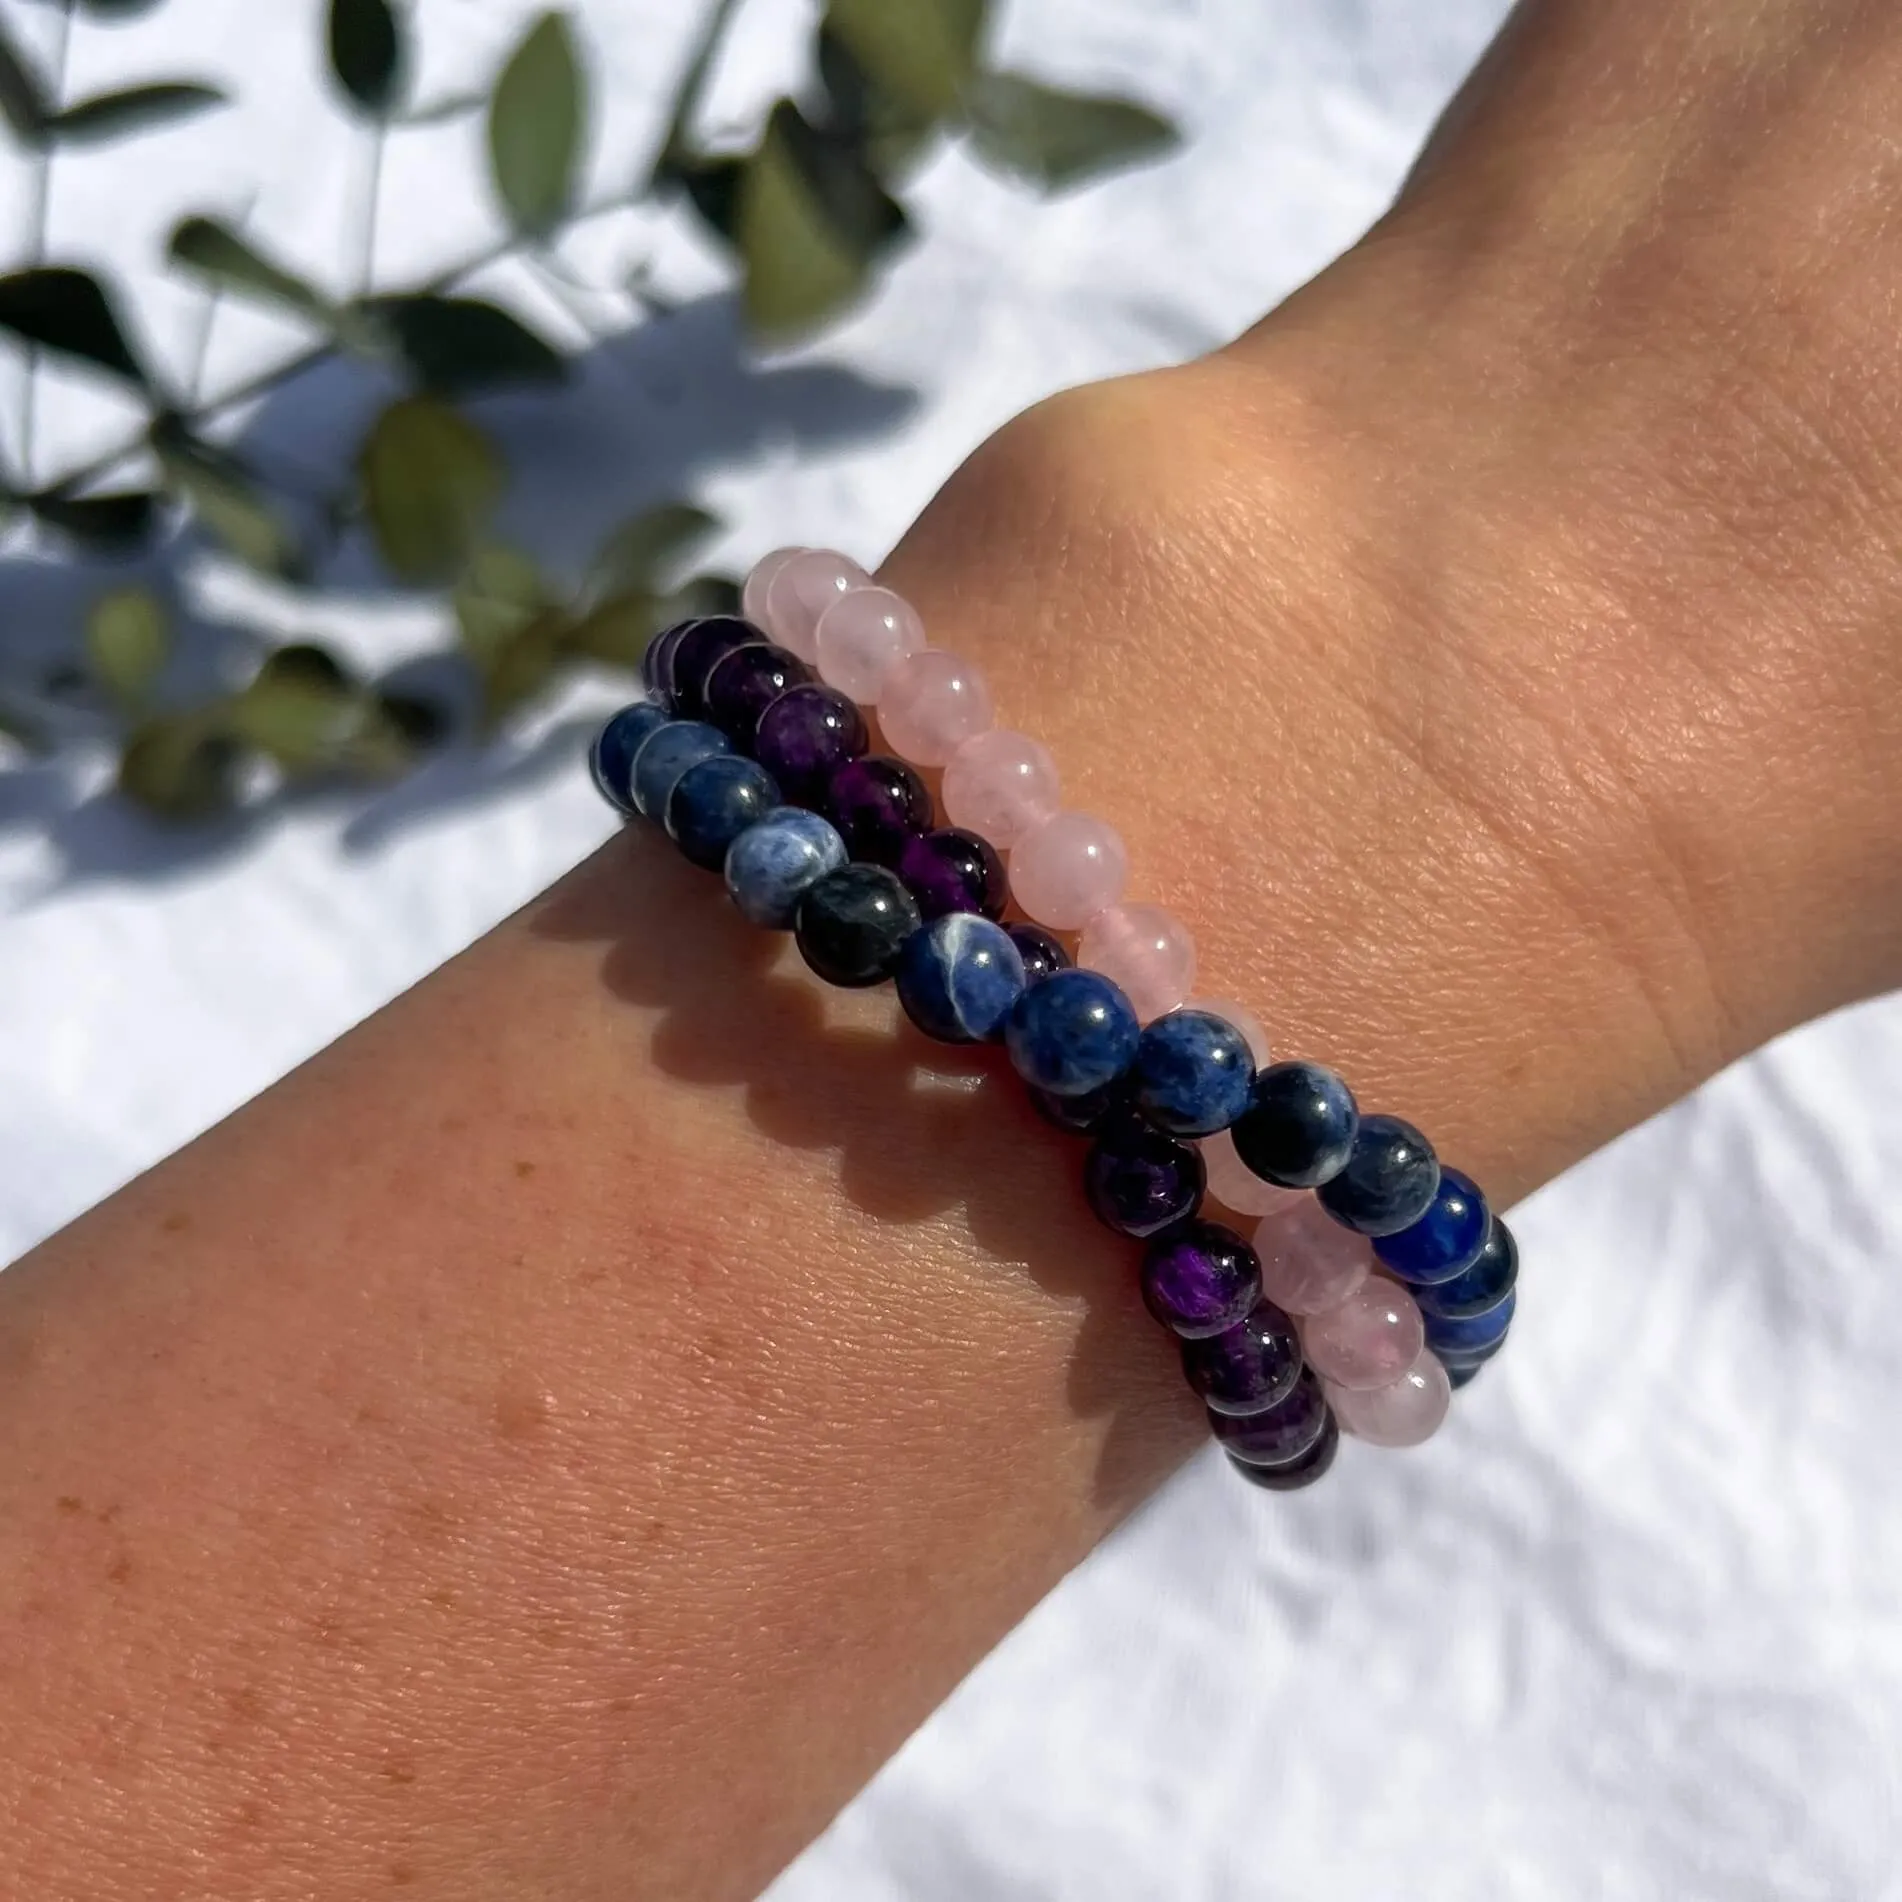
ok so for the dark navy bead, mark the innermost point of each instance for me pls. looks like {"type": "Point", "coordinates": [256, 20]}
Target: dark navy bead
{"type": "Point", "coordinates": [877, 804]}
{"type": "Point", "coordinates": [805, 736]}
{"type": "Point", "coordinates": [1312, 1465]}
{"type": "Point", "coordinates": [1072, 1033]}
{"type": "Point", "coordinates": [657, 662]}
{"type": "Point", "coordinates": [1192, 1073]}
{"type": "Point", "coordinates": [771, 865]}
{"type": "Point", "coordinates": [1042, 953]}
{"type": "Point", "coordinates": [853, 923]}
{"type": "Point", "coordinates": [1200, 1278]}
{"type": "Point", "coordinates": [611, 757]}
{"type": "Point", "coordinates": [1298, 1129]}
{"type": "Point", "coordinates": [1250, 1368]}
{"type": "Point", "coordinates": [1140, 1181]}
{"type": "Point", "coordinates": [744, 683]}
{"type": "Point", "coordinates": [1480, 1288]}
{"type": "Point", "coordinates": [1461, 1376]}
{"type": "Point", "coordinates": [1282, 1433]}
{"type": "Point", "coordinates": [953, 870]}
{"type": "Point", "coordinates": [1462, 1339]}
{"type": "Point", "coordinates": [1082, 1115]}
{"type": "Point", "coordinates": [1389, 1182]}
{"type": "Point", "coordinates": [665, 754]}
{"type": "Point", "coordinates": [1446, 1240]}
{"type": "Point", "coordinates": [958, 977]}
{"type": "Point", "coordinates": [701, 648]}
{"type": "Point", "coordinates": [713, 802]}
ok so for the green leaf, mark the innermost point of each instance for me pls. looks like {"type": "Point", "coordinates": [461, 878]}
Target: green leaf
{"type": "Point", "coordinates": [110, 115]}
{"type": "Point", "coordinates": [128, 636]}
{"type": "Point", "coordinates": [108, 524]}
{"type": "Point", "coordinates": [301, 709]}
{"type": "Point", "coordinates": [225, 498]}
{"type": "Point", "coordinates": [460, 345]}
{"type": "Point", "coordinates": [523, 666]}
{"type": "Point", "coordinates": [920, 53]}
{"type": "Point", "coordinates": [68, 311]}
{"type": "Point", "coordinates": [500, 592]}
{"type": "Point", "coordinates": [619, 629]}
{"type": "Point", "coordinates": [212, 248]}
{"type": "Point", "coordinates": [180, 767]}
{"type": "Point", "coordinates": [23, 100]}
{"type": "Point", "coordinates": [367, 53]}
{"type": "Point", "coordinates": [1055, 138]}
{"type": "Point", "coordinates": [713, 189]}
{"type": "Point", "coordinates": [890, 133]}
{"type": "Point", "coordinates": [535, 128]}
{"type": "Point", "coordinates": [639, 552]}
{"type": "Point", "coordinates": [431, 481]}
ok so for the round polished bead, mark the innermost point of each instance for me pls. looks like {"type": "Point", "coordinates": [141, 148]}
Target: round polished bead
{"type": "Point", "coordinates": [771, 865]}
{"type": "Point", "coordinates": [1192, 1073]}
{"type": "Point", "coordinates": [1279, 1433]}
{"type": "Point", "coordinates": [753, 595]}
{"type": "Point", "coordinates": [852, 924]}
{"type": "Point", "coordinates": [702, 647]}
{"type": "Point", "coordinates": [878, 803]}
{"type": "Point", "coordinates": [657, 662]}
{"type": "Point", "coordinates": [862, 636]}
{"type": "Point", "coordinates": [1248, 1369]}
{"type": "Point", "coordinates": [1298, 1129]}
{"type": "Point", "coordinates": [1312, 1465]}
{"type": "Point", "coordinates": [1480, 1287]}
{"type": "Point", "coordinates": [805, 736]}
{"type": "Point", "coordinates": [1138, 1180]}
{"type": "Point", "coordinates": [713, 802]}
{"type": "Point", "coordinates": [1236, 1186]}
{"type": "Point", "coordinates": [1405, 1412]}
{"type": "Point", "coordinates": [1068, 869]}
{"type": "Point", "coordinates": [1309, 1262]}
{"type": "Point", "coordinates": [1200, 1278]}
{"type": "Point", "coordinates": [1147, 949]}
{"type": "Point", "coordinates": [1446, 1240]}
{"type": "Point", "coordinates": [932, 702]}
{"type": "Point", "coordinates": [611, 757]}
{"type": "Point", "coordinates": [1002, 784]}
{"type": "Point", "coordinates": [745, 682]}
{"type": "Point", "coordinates": [958, 977]}
{"type": "Point", "coordinates": [665, 754]}
{"type": "Point", "coordinates": [1243, 1019]}
{"type": "Point", "coordinates": [1389, 1180]}
{"type": "Point", "coordinates": [1072, 1033]}
{"type": "Point", "coordinates": [1083, 1115]}
{"type": "Point", "coordinates": [800, 591]}
{"type": "Point", "coordinates": [1462, 1374]}
{"type": "Point", "coordinates": [1472, 1336]}
{"type": "Point", "coordinates": [1368, 1340]}
{"type": "Point", "coordinates": [953, 870]}
{"type": "Point", "coordinates": [1042, 952]}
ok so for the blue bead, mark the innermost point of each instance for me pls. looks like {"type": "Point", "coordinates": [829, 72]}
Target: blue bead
{"type": "Point", "coordinates": [1192, 1073]}
{"type": "Point", "coordinates": [1480, 1287]}
{"type": "Point", "coordinates": [611, 757]}
{"type": "Point", "coordinates": [1390, 1180]}
{"type": "Point", "coordinates": [1446, 1240]}
{"type": "Point", "coordinates": [958, 977]}
{"type": "Point", "coordinates": [1458, 1377]}
{"type": "Point", "coordinates": [1299, 1127]}
{"type": "Point", "coordinates": [665, 754]}
{"type": "Point", "coordinates": [713, 802]}
{"type": "Point", "coordinates": [1072, 1033]}
{"type": "Point", "coordinates": [1468, 1339]}
{"type": "Point", "coordinates": [771, 864]}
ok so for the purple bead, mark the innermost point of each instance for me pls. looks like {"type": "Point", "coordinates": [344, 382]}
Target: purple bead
{"type": "Point", "coordinates": [1200, 1279]}
{"type": "Point", "coordinates": [657, 662]}
{"type": "Point", "coordinates": [805, 736]}
{"type": "Point", "coordinates": [953, 870]}
{"type": "Point", "coordinates": [744, 683]}
{"type": "Point", "coordinates": [1304, 1471]}
{"type": "Point", "coordinates": [1140, 1181]}
{"type": "Point", "coordinates": [1082, 1115]}
{"type": "Point", "coordinates": [1283, 1433]}
{"type": "Point", "coordinates": [877, 804]}
{"type": "Point", "coordinates": [701, 648]}
{"type": "Point", "coordinates": [1041, 951]}
{"type": "Point", "coordinates": [1250, 1368]}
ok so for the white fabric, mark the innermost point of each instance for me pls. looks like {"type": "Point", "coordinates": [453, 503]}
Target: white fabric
{"type": "Point", "coordinates": [1630, 1629]}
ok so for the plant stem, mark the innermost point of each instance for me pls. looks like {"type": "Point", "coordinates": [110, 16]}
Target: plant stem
{"type": "Point", "coordinates": [693, 83]}
{"type": "Point", "coordinates": [372, 208]}
{"type": "Point", "coordinates": [40, 221]}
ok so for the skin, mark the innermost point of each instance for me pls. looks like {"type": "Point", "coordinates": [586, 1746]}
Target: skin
{"type": "Point", "coordinates": [557, 1443]}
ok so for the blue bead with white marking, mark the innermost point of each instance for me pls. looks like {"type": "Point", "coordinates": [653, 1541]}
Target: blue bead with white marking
{"type": "Point", "coordinates": [665, 754]}
{"type": "Point", "coordinates": [1192, 1073]}
{"type": "Point", "coordinates": [959, 976]}
{"type": "Point", "coordinates": [1072, 1033]}
{"type": "Point", "coordinates": [773, 864]}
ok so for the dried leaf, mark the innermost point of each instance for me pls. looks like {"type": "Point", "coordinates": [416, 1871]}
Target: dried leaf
{"type": "Point", "coordinates": [458, 346]}
{"type": "Point", "coordinates": [67, 310]}
{"type": "Point", "coordinates": [1055, 138]}
{"type": "Point", "coordinates": [920, 53]}
{"type": "Point", "coordinates": [367, 53]}
{"type": "Point", "coordinates": [535, 128]}
{"type": "Point", "coordinates": [111, 115]}
{"type": "Point", "coordinates": [128, 635]}
{"type": "Point", "coordinates": [211, 247]}
{"type": "Point", "coordinates": [109, 524]}
{"type": "Point", "coordinates": [431, 481]}
{"type": "Point", "coordinates": [640, 552]}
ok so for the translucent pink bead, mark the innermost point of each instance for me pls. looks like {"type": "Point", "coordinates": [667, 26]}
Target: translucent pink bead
{"type": "Point", "coordinates": [1236, 1186]}
{"type": "Point", "coordinates": [753, 595]}
{"type": "Point", "coordinates": [862, 636]}
{"type": "Point", "coordinates": [801, 590]}
{"type": "Point", "coordinates": [1144, 948]}
{"type": "Point", "coordinates": [1404, 1413]}
{"type": "Point", "coordinates": [1244, 1020]}
{"type": "Point", "coordinates": [1309, 1262]}
{"type": "Point", "coordinates": [1001, 785]}
{"type": "Point", "coordinates": [930, 704]}
{"type": "Point", "coordinates": [1068, 870]}
{"type": "Point", "coordinates": [1369, 1340]}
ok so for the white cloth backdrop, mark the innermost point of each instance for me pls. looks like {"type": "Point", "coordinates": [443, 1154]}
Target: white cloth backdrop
{"type": "Point", "coordinates": [1630, 1628]}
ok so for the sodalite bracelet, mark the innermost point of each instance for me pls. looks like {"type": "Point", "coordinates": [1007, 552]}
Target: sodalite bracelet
{"type": "Point", "coordinates": [1376, 1280]}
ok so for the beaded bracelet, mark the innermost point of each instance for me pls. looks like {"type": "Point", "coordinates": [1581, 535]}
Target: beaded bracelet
{"type": "Point", "coordinates": [1378, 1280]}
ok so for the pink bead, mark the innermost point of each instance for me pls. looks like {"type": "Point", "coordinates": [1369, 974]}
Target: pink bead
{"type": "Point", "coordinates": [931, 703]}
{"type": "Point", "coordinates": [1309, 1262]}
{"type": "Point", "coordinates": [862, 636]}
{"type": "Point", "coordinates": [753, 595]}
{"type": "Point", "coordinates": [1236, 1186]}
{"type": "Point", "coordinates": [1144, 948]}
{"type": "Point", "coordinates": [801, 590]}
{"type": "Point", "coordinates": [1068, 869]}
{"type": "Point", "coordinates": [1369, 1340]}
{"type": "Point", "coordinates": [1404, 1413]}
{"type": "Point", "coordinates": [1001, 785]}
{"type": "Point", "coordinates": [1245, 1021]}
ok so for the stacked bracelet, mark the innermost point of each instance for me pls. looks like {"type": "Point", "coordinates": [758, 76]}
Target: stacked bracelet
{"type": "Point", "coordinates": [1377, 1280]}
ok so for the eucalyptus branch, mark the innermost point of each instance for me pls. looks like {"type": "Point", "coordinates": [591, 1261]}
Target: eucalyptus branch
{"type": "Point", "coordinates": [41, 218]}
{"type": "Point", "coordinates": [693, 83]}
